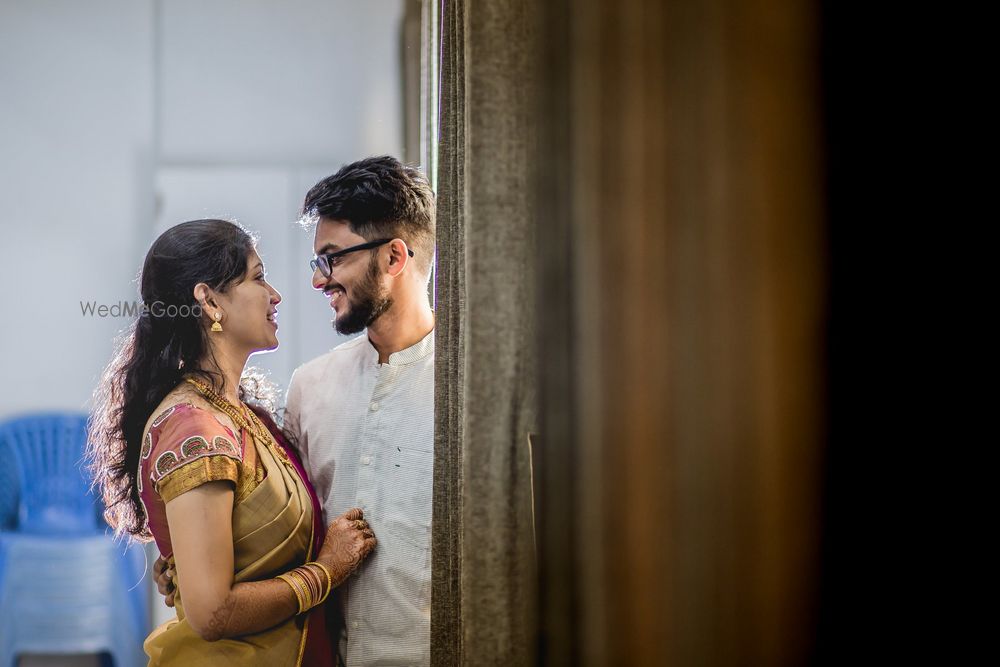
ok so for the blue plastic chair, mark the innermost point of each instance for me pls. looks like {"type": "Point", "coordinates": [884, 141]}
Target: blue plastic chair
{"type": "Point", "coordinates": [66, 586]}
{"type": "Point", "coordinates": [9, 488]}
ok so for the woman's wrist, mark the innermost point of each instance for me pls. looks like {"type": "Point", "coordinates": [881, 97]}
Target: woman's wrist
{"type": "Point", "coordinates": [296, 590]}
{"type": "Point", "coordinates": [324, 577]}
{"type": "Point", "coordinates": [311, 583]}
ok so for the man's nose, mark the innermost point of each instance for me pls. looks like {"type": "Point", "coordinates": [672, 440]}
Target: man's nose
{"type": "Point", "coordinates": [318, 280]}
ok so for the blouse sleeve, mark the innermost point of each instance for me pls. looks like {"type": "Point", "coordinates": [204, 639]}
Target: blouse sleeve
{"type": "Point", "coordinates": [189, 447]}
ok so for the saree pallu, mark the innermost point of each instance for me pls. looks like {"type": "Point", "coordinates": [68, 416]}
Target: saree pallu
{"type": "Point", "coordinates": [274, 530]}
{"type": "Point", "coordinates": [319, 650]}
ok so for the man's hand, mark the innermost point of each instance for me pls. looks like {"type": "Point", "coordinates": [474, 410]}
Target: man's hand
{"type": "Point", "coordinates": [164, 580]}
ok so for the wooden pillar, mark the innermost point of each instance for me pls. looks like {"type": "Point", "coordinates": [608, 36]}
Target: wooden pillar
{"type": "Point", "coordinates": [485, 399]}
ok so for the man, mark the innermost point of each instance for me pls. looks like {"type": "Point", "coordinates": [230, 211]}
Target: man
{"type": "Point", "coordinates": [363, 414]}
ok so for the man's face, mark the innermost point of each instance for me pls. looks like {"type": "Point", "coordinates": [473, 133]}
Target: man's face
{"type": "Point", "coordinates": [355, 287]}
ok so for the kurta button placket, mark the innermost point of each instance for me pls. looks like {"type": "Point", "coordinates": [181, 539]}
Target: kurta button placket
{"type": "Point", "coordinates": [368, 437]}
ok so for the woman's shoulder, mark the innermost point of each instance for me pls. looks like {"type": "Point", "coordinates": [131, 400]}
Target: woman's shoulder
{"type": "Point", "coordinates": [183, 433]}
{"type": "Point", "coordinates": [186, 415]}
{"type": "Point", "coordinates": [166, 410]}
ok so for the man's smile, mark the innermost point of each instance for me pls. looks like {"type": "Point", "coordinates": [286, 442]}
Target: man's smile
{"type": "Point", "coordinates": [334, 293]}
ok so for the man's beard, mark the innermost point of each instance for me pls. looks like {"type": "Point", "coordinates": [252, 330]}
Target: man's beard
{"type": "Point", "coordinates": [365, 305]}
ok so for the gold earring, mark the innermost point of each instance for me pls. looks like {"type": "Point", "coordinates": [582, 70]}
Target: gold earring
{"type": "Point", "coordinates": [215, 325]}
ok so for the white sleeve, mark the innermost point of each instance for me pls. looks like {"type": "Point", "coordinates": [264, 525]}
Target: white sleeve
{"type": "Point", "coordinates": [293, 420]}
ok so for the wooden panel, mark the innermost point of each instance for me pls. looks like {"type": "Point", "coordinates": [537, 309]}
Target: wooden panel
{"type": "Point", "coordinates": [681, 145]}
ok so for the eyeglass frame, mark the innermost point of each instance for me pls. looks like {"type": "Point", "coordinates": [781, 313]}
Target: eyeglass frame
{"type": "Point", "coordinates": [316, 263]}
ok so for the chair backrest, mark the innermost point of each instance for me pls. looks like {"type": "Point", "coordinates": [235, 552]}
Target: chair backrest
{"type": "Point", "coordinates": [54, 495]}
{"type": "Point", "coordinates": [10, 487]}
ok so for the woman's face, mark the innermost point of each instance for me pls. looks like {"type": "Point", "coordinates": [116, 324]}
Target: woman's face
{"type": "Point", "coordinates": [250, 310]}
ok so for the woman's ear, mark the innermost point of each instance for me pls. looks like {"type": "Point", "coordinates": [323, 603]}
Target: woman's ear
{"type": "Point", "coordinates": [204, 295]}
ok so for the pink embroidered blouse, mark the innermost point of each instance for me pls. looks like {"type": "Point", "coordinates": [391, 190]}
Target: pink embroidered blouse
{"type": "Point", "coordinates": [186, 447]}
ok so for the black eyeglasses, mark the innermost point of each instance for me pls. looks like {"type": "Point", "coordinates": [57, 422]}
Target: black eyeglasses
{"type": "Point", "coordinates": [326, 261]}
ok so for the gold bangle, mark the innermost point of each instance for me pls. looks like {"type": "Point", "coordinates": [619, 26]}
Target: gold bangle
{"type": "Point", "coordinates": [300, 592]}
{"type": "Point", "coordinates": [298, 596]}
{"type": "Point", "coordinates": [315, 580]}
{"type": "Point", "coordinates": [306, 590]}
{"type": "Point", "coordinates": [329, 578]}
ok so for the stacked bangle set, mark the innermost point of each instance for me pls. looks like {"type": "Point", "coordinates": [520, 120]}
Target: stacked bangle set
{"type": "Point", "coordinates": [307, 584]}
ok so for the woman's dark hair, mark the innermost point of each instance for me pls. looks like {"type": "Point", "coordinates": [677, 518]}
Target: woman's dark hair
{"type": "Point", "coordinates": [167, 342]}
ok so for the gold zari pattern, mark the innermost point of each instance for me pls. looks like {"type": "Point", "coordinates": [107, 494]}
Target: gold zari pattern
{"type": "Point", "coordinates": [243, 417]}
{"type": "Point", "coordinates": [194, 474]}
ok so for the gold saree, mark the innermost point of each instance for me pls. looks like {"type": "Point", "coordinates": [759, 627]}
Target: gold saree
{"type": "Point", "coordinates": [272, 533]}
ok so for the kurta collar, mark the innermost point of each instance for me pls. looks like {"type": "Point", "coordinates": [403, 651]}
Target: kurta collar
{"type": "Point", "coordinates": [415, 352]}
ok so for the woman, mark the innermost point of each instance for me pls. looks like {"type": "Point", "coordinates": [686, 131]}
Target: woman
{"type": "Point", "coordinates": [182, 459]}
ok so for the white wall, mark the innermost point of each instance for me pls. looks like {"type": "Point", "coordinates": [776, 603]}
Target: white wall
{"type": "Point", "coordinates": [119, 118]}
{"type": "Point", "coordinates": [76, 137]}
{"type": "Point", "coordinates": [297, 81]}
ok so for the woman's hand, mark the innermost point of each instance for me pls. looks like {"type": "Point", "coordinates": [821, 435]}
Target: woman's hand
{"type": "Point", "coordinates": [348, 541]}
{"type": "Point", "coordinates": [163, 576]}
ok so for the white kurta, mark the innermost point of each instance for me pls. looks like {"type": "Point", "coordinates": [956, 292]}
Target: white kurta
{"type": "Point", "coordinates": [366, 433]}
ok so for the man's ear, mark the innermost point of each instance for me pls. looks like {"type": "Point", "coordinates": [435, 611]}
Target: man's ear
{"type": "Point", "coordinates": [398, 257]}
